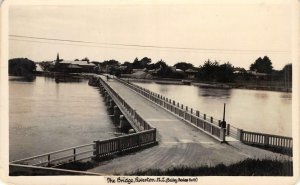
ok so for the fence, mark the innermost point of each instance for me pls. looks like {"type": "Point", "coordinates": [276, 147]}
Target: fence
{"type": "Point", "coordinates": [266, 140]}
{"type": "Point", "coordinates": [207, 124]}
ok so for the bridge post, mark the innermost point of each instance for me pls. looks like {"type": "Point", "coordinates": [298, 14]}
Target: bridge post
{"type": "Point", "coordinates": [240, 134]}
{"type": "Point", "coordinates": [191, 110]}
{"type": "Point", "coordinates": [177, 104]}
{"type": "Point", "coordinates": [181, 106]}
{"type": "Point", "coordinates": [222, 135]}
{"type": "Point", "coordinates": [211, 119]}
{"type": "Point", "coordinates": [266, 140]}
{"type": "Point", "coordinates": [197, 113]}
{"type": "Point", "coordinates": [186, 108]}
{"type": "Point", "coordinates": [116, 114]}
{"type": "Point", "coordinates": [204, 116]}
{"type": "Point", "coordinates": [96, 150]}
{"type": "Point", "coordinates": [228, 129]}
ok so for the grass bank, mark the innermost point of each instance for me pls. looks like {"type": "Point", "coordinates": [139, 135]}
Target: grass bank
{"type": "Point", "coordinates": [248, 167]}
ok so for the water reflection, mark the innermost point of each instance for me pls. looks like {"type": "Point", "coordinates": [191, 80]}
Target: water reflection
{"type": "Point", "coordinates": [22, 78]}
{"type": "Point", "coordinates": [220, 93]}
{"type": "Point", "coordinates": [261, 95]}
{"type": "Point", "coordinates": [67, 80]}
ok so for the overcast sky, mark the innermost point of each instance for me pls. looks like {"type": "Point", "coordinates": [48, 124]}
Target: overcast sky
{"type": "Point", "coordinates": [263, 29]}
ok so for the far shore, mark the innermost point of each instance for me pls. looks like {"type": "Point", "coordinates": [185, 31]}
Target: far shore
{"type": "Point", "coordinates": [213, 85]}
{"type": "Point", "coordinates": [203, 84]}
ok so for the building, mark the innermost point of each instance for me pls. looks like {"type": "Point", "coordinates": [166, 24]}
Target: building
{"type": "Point", "coordinates": [70, 66]}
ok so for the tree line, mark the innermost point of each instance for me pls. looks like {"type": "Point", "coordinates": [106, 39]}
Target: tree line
{"type": "Point", "coordinates": [209, 71]}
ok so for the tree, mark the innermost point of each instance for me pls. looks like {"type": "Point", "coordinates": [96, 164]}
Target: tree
{"type": "Point", "coordinates": [111, 62]}
{"type": "Point", "coordinates": [208, 71]}
{"type": "Point", "coordinates": [141, 64]}
{"type": "Point", "coordinates": [145, 62]}
{"type": "Point", "coordinates": [225, 73]}
{"type": "Point", "coordinates": [164, 70]}
{"type": "Point", "coordinates": [262, 65]}
{"type": "Point", "coordinates": [21, 67]}
{"type": "Point", "coordinates": [85, 59]}
{"type": "Point", "coordinates": [184, 66]}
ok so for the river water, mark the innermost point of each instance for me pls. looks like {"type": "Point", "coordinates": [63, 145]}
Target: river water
{"type": "Point", "coordinates": [252, 110]}
{"type": "Point", "coordinates": [46, 116]}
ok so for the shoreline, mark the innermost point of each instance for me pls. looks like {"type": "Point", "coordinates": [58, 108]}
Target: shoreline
{"type": "Point", "coordinates": [213, 85]}
{"type": "Point", "coordinates": [202, 84]}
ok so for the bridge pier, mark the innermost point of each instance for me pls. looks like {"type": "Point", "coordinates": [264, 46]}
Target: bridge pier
{"type": "Point", "coordinates": [111, 105]}
{"type": "Point", "coordinates": [117, 114]}
{"type": "Point", "coordinates": [123, 123]}
{"type": "Point", "coordinates": [107, 98]}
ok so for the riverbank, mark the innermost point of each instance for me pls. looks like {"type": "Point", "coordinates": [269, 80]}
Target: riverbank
{"type": "Point", "coordinates": [204, 84]}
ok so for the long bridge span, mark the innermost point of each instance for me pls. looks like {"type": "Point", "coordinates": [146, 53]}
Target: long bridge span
{"type": "Point", "coordinates": [170, 134]}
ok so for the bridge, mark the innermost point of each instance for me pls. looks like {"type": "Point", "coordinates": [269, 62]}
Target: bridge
{"type": "Point", "coordinates": [169, 133]}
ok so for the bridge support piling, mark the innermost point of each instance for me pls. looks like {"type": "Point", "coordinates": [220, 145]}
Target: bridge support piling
{"type": "Point", "coordinates": [111, 105]}
{"type": "Point", "coordinates": [116, 114]}
{"type": "Point", "coordinates": [123, 122]}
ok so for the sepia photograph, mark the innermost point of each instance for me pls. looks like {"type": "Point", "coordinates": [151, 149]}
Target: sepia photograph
{"type": "Point", "coordinates": [150, 91]}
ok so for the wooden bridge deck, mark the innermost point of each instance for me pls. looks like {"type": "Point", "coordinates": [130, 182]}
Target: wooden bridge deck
{"type": "Point", "coordinates": [180, 144]}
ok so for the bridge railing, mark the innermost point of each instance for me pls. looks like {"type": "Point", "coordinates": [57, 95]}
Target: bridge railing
{"type": "Point", "coordinates": [208, 125]}
{"type": "Point", "coordinates": [266, 140]}
{"type": "Point", "coordinates": [96, 150]}
{"type": "Point", "coordinates": [55, 158]}
{"type": "Point", "coordinates": [126, 143]}
{"type": "Point", "coordinates": [138, 121]}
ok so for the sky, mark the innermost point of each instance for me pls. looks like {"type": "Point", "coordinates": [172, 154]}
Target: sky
{"type": "Point", "coordinates": [235, 33]}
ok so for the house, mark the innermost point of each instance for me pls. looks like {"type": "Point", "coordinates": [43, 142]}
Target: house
{"type": "Point", "coordinates": [70, 66]}
{"type": "Point", "coordinates": [191, 73]}
{"type": "Point", "coordinates": [258, 75]}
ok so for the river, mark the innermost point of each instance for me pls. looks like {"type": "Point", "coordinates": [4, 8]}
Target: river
{"type": "Point", "coordinates": [45, 116]}
{"type": "Point", "coordinates": [252, 110]}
